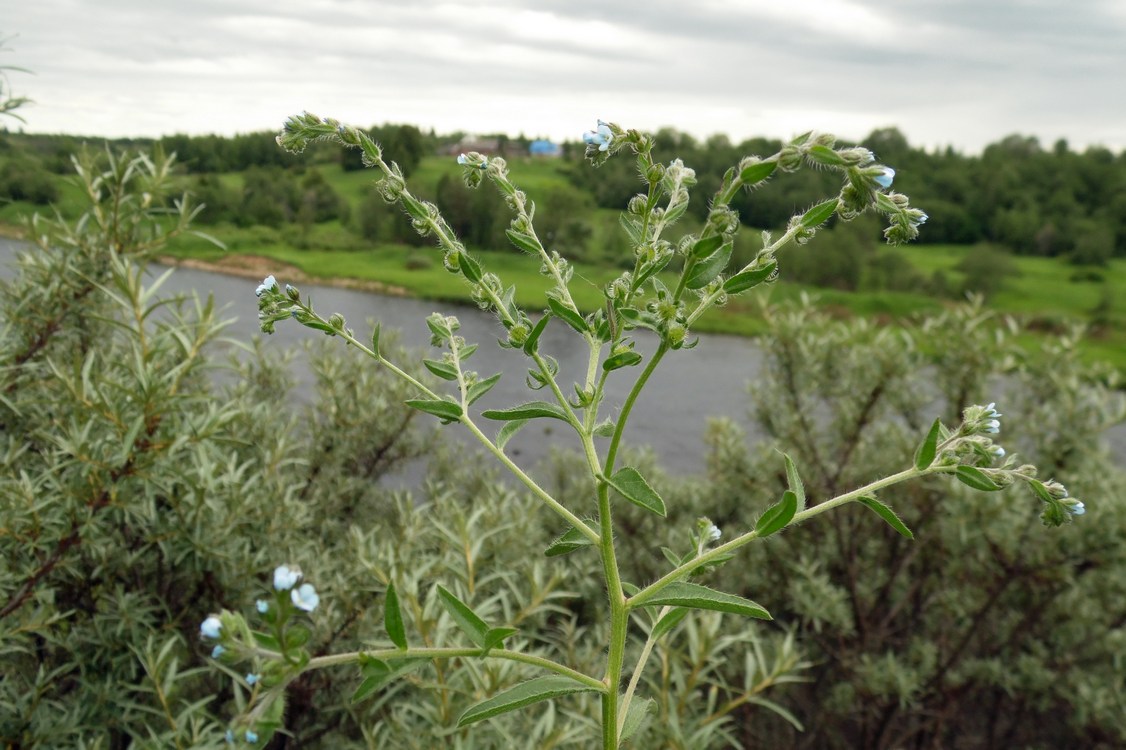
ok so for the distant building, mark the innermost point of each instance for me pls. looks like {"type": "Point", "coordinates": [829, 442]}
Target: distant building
{"type": "Point", "coordinates": [486, 146]}
{"type": "Point", "coordinates": [545, 148]}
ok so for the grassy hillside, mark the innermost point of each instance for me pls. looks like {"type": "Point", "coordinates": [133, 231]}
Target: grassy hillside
{"type": "Point", "coordinates": [1048, 292]}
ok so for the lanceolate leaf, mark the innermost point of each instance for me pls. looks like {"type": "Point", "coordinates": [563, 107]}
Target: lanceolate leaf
{"type": "Point", "coordinates": [444, 370]}
{"type": "Point", "coordinates": [708, 268]}
{"type": "Point", "coordinates": [510, 428]}
{"type": "Point", "coordinates": [706, 246]}
{"type": "Point", "coordinates": [685, 594]}
{"type": "Point", "coordinates": [634, 488]}
{"type": "Point", "coordinates": [887, 514]}
{"type": "Point", "coordinates": [466, 619]}
{"type": "Point", "coordinates": [533, 691]}
{"type": "Point", "coordinates": [571, 540]}
{"type": "Point", "coordinates": [927, 450]}
{"type": "Point", "coordinates": [975, 478]}
{"type": "Point", "coordinates": [496, 636]}
{"type": "Point", "coordinates": [639, 709]}
{"type": "Point", "coordinates": [377, 673]}
{"type": "Point", "coordinates": [620, 360]}
{"type": "Point", "coordinates": [778, 515]}
{"type": "Point", "coordinates": [793, 479]}
{"type": "Point", "coordinates": [470, 267]}
{"type": "Point", "coordinates": [533, 339]}
{"type": "Point", "coordinates": [756, 173]}
{"type": "Point", "coordinates": [671, 619]}
{"type": "Point", "coordinates": [530, 410]}
{"type": "Point", "coordinates": [525, 242]}
{"type": "Point", "coordinates": [567, 315]}
{"type": "Point", "coordinates": [820, 213]}
{"type": "Point", "coordinates": [481, 387]}
{"type": "Point", "coordinates": [741, 282]}
{"type": "Point", "coordinates": [447, 411]}
{"type": "Point", "coordinates": [393, 618]}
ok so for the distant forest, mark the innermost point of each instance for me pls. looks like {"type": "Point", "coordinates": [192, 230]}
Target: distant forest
{"type": "Point", "coordinates": [1017, 194]}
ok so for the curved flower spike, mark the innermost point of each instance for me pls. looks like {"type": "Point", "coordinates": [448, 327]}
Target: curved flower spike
{"type": "Point", "coordinates": [600, 136]}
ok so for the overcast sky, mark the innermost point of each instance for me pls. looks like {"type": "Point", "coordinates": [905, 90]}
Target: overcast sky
{"type": "Point", "coordinates": [946, 72]}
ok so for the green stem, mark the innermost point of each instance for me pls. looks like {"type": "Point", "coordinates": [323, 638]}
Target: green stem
{"type": "Point", "coordinates": [392, 654]}
{"type": "Point", "coordinates": [684, 570]}
{"type": "Point", "coordinates": [627, 406]}
{"type": "Point", "coordinates": [619, 622]}
{"type": "Point", "coordinates": [638, 668]}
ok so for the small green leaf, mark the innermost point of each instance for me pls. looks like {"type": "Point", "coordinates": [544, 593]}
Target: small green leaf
{"type": "Point", "coordinates": [506, 433]}
{"type": "Point", "coordinates": [470, 267]}
{"type": "Point", "coordinates": [466, 619]}
{"type": "Point", "coordinates": [685, 594]}
{"type": "Point", "coordinates": [928, 449]}
{"type": "Point", "coordinates": [620, 360]}
{"type": "Point", "coordinates": [567, 315]}
{"type": "Point", "coordinates": [533, 339]}
{"type": "Point", "coordinates": [632, 227]}
{"type": "Point", "coordinates": [444, 370]}
{"type": "Point", "coordinates": [793, 479]}
{"type": "Point", "coordinates": [481, 387]}
{"type": "Point", "coordinates": [297, 636]}
{"type": "Point", "coordinates": [1041, 491]}
{"type": "Point", "coordinates": [377, 673]}
{"type": "Point", "coordinates": [639, 709]}
{"type": "Point", "coordinates": [972, 477]}
{"type": "Point", "coordinates": [706, 246]}
{"type": "Point", "coordinates": [466, 352]}
{"type": "Point", "coordinates": [530, 410]}
{"type": "Point", "coordinates": [708, 268]}
{"type": "Point", "coordinates": [671, 619]}
{"type": "Point", "coordinates": [393, 618]}
{"type": "Point", "coordinates": [634, 488]}
{"type": "Point", "coordinates": [887, 514]}
{"type": "Point", "coordinates": [496, 636]}
{"type": "Point", "coordinates": [375, 338]}
{"type": "Point", "coordinates": [820, 213]}
{"type": "Point", "coordinates": [758, 172]}
{"type": "Point", "coordinates": [447, 411]}
{"type": "Point", "coordinates": [825, 155]}
{"type": "Point", "coordinates": [571, 540]}
{"type": "Point", "coordinates": [741, 282]}
{"type": "Point", "coordinates": [525, 242]}
{"type": "Point", "coordinates": [524, 694]}
{"type": "Point", "coordinates": [777, 516]}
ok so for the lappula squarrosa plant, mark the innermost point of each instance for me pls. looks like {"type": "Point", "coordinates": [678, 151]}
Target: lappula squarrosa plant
{"type": "Point", "coordinates": [670, 286]}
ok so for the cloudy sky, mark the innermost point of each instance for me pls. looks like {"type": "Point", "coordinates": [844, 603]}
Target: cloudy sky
{"type": "Point", "coordinates": [946, 72]}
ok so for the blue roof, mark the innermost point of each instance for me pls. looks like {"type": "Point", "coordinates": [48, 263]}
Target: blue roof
{"type": "Point", "coordinates": [542, 146]}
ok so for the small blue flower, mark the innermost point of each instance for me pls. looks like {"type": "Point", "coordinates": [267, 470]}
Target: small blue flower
{"type": "Point", "coordinates": [229, 737]}
{"type": "Point", "coordinates": [217, 652]}
{"type": "Point", "coordinates": [463, 160]}
{"type": "Point", "coordinates": [210, 627]}
{"type": "Point", "coordinates": [305, 597]}
{"type": "Point", "coordinates": [993, 426]}
{"type": "Point", "coordinates": [884, 180]}
{"type": "Point", "coordinates": [990, 411]}
{"type": "Point", "coordinates": [268, 284]}
{"type": "Point", "coordinates": [251, 736]}
{"type": "Point", "coordinates": [998, 451]}
{"type": "Point", "coordinates": [252, 678]}
{"type": "Point", "coordinates": [263, 606]}
{"type": "Point", "coordinates": [714, 533]}
{"type": "Point", "coordinates": [921, 218]}
{"type": "Point", "coordinates": [286, 577]}
{"type": "Point", "coordinates": [601, 136]}
{"type": "Point", "coordinates": [1076, 508]}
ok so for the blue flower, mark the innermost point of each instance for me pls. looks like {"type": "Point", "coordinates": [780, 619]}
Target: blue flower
{"type": "Point", "coordinates": [217, 652]}
{"type": "Point", "coordinates": [305, 597]}
{"type": "Point", "coordinates": [286, 577]}
{"type": "Point", "coordinates": [252, 678]}
{"type": "Point", "coordinates": [229, 737]}
{"type": "Point", "coordinates": [884, 180]}
{"type": "Point", "coordinates": [210, 627]}
{"type": "Point", "coordinates": [263, 606]}
{"type": "Point", "coordinates": [251, 736]}
{"type": "Point", "coordinates": [993, 426]}
{"type": "Point", "coordinates": [601, 136]}
{"type": "Point", "coordinates": [714, 533]}
{"type": "Point", "coordinates": [270, 283]}
{"type": "Point", "coordinates": [1075, 508]}
{"type": "Point", "coordinates": [998, 451]}
{"type": "Point", "coordinates": [464, 160]}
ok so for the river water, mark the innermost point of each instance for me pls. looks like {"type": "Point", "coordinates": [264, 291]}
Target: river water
{"type": "Point", "coordinates": [670, 417]}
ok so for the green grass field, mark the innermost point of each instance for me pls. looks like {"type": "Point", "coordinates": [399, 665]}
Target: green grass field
{"type": "Point", "coordinates": [1043, 292]}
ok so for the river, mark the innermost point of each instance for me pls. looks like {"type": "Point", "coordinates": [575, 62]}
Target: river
{"type": "Point", "coordinates": [670, 416]}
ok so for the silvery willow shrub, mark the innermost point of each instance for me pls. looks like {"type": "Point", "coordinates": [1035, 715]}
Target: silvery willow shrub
{"type": "Point", "coordinates": [136, 488]}
{"type": "Point", "coordinates": [670, 285]}
{"type": "Point", "coordinates": [983, 632]}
